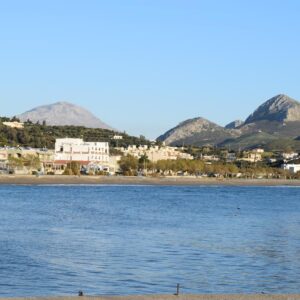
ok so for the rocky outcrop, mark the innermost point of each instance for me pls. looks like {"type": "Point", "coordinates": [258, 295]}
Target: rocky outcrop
{"type": "Point", "coordinates": [235, 124]}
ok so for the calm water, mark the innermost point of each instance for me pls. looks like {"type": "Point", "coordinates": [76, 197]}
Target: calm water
{"type": "Point", "coordinates": [133, 240]}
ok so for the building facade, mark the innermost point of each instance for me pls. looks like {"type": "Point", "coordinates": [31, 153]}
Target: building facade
{"type": "Point", "coordinates": [25, 160]}
{"type": "Point", "coordinates": [85, 153]}
{"type": "Point", "coordinates": [14, 125]}
{"type": "Point", "coordinates": [293, 168]}
{"type": "Point", "coordinates": [155, 153]}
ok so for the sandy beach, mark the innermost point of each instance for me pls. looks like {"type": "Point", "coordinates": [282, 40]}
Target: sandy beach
{"type": "Point", "coordinates": [122, 180]}
{"type": "Point", "coordinates": [173, 297]}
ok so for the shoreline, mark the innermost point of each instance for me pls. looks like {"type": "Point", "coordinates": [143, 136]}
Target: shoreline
{"type": "Point", "coordinates": [172, 297]}
{"type": "Point", "coordinates": [127, 180]}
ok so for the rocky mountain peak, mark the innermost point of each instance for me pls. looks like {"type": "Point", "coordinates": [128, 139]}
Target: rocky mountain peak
{"type": "Point", "coordinates": [63, 113]}
{"type": "Point", "coordinates": [280, 108]}
{"type": "Point", "coordinates": [188, 129]}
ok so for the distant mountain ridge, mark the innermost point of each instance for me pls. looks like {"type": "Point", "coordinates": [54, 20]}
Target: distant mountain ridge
{"type": "Point", "coordinates": [275, 120]}
{"type": "Point", "coordinates": [63, 113]}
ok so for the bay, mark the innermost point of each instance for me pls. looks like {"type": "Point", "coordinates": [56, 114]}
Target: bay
{"type": "Point", "coordinates": [57, 240]}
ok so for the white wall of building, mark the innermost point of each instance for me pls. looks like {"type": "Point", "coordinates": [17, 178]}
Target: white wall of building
{"type": "Point", "coordinates": [69, 149]}
{"type": "Point", "coordinates": [155, 153]}
{"type": "Point", "coordinates": [293, 168]}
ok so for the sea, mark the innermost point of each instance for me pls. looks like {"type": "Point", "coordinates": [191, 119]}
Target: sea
{"type": "Point", "coordinates": [121, 240]}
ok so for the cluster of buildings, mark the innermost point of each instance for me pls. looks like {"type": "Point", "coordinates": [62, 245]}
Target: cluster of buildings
{"type": "Point", "coordinates": [95, 156]}
{"type": "Point", "coordinates": [155, 153]}
{"type": "Point", "coordinates": [251, 156]}
{"type": "Point", "coordinates": [289, 161]}
{"type": "Point", "coordinates": [18, 159]}
{"type": "Point", "coordinates": [14, 124]}
{"type": "Point", "coordinates": [91, 156]}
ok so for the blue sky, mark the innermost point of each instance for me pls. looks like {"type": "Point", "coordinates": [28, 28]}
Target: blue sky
{"type": "Point", "coordinates": [143, 66]}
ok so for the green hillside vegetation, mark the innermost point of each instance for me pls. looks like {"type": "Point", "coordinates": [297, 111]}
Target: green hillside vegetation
{"type": "Point", "coordinates": [204, 138]}
{"type": "Point", "coordinates": [262, 139]}
{"type": "Point", "coordinates": [284, 144]}
{"type": "Point", "coordinates": [43, 136]}
{"type": "Point", "coordinates": [278, 129]}
{"type": "Point", "coordinates": [257, 139]}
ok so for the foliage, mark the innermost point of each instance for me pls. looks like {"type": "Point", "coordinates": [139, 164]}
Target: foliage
{"type": "Point", "coordinates": [15, 162]}
{"type": "Point", "coordinates": [114, 151]}
{"type": "Point", "coordinates": [73, 168]}
{"type": "Point", "coordinates": [143, 162]}
{"type": "Point", "coordinates": [32, 161]}
{"type": "Point", "coordinates": [128, 165]}
{"type": "Point", "coordinates": [43, 136]}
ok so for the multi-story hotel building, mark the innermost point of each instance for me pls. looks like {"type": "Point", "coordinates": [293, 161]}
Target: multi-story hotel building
{"type": "Point", "coordinates": [69, 149]}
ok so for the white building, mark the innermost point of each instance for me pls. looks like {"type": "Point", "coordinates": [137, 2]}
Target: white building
{"type": "Point", "coordinates": [69, 149]}
{"type": "Point", "coordinates": [155, 153]}
{"type": "Point", "coordinates": [14, 125]}
{"type": "Point", "coordinates": [293, 168]}
{"type": "Point", "coordinates": [288, 156]}
{"type": "Point", "coordinates": [258, 150]}
{"type": "Point", "coordinates": [230, 157]}
{"type": "Point", "coordinates": [117, 137]}
{"type": "Point", "coordinates": [207, 157]}
{"type": "Point", "coordinates": [253, 156]}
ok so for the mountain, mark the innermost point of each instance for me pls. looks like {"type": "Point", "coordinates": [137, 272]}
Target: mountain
{"type": "Point", "coordinates": [273, 124]}
{"type": "Point", "coordinates": [63, 113]}
{"type": "Point", "coordinates": [280, 108]}
{"type": "Point", "coordinates": [234, 124]}
{"type": "Point", "coordinates": [279, 116]}
{"type": "Point", "coordinates": [197, 131]}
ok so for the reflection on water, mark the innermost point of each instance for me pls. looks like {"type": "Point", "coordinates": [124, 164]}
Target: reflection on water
{"type": "Point", "coordinates": [57, 240]}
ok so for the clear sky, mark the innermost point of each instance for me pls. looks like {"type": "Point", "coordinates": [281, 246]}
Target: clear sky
{"type": "Point", "coordinates": [145, 65]}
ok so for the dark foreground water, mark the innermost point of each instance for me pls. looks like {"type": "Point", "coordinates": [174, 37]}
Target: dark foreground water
{"type": "Point", "coordinates": [56, 240]}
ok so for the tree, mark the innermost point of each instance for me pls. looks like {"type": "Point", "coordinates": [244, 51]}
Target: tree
{"type": "Point", "coordinates": [232, 170]}
{"type": "Point", "coordinates": [15, 119]}
{"type": "Point", "coordinates": [128, 165]}
{"type": "Point", "coordinates": [73, 168]}
{"type": "Point", "coordinates": [143, 162]}
{"type": "Point", "coordinates": [32, 161]}
{"type": "Point", "coordinates": [23, 137]}
{"type": "Point", "coordinates": [14, 162]}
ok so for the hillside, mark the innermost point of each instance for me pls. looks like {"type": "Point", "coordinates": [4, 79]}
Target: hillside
{"type": "Point", "coordinates": [261, 140]}
{"type": "Point", "coordinates": [273, 124]}
{"type": "Point", "coordinates": [63, 113]}
{"type": "Point", "coordinates": [197, 131]}
{"type": "Point", "coordinates": [40, 136]}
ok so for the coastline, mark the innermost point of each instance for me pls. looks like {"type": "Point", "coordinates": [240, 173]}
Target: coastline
{"type": "Point", "coordinates": [127, 180]}
{"type": "Point", "coordinates": [173, 297]}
